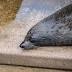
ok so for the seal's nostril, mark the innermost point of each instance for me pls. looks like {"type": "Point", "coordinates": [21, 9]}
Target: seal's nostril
{"type": "Point", "coordinates": [22, 46]}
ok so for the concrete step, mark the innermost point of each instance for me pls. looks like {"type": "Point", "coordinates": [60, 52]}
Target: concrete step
{"type": "Point", "coordinates": [51, 57]}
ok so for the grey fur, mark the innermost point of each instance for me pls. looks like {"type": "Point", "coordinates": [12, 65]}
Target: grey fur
{"type": "Point", "coordinates": [55, 30]}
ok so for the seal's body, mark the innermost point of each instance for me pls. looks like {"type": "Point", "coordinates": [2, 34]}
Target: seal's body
{"type": "Point", "coordinates": [55, 30]}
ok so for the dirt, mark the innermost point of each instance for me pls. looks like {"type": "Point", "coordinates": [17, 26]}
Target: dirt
{"type": "Point", "coordinates": [8, 10]}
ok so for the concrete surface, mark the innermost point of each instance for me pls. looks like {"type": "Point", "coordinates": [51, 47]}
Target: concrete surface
{"type": "Point", "coordinates": [13, 34]}
{"type": "Point", "coordinates": [6, 68]}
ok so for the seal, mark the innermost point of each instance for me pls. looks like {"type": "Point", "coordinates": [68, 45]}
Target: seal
{"type": "Point", "coordinates": [54, 30]}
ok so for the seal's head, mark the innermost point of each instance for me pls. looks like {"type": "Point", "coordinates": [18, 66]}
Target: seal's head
{"type": "Point", "coordinates": [27, 45]}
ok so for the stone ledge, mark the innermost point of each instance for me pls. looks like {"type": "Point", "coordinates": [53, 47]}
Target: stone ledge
{"type": "Point", "coordinates": [52, 57]}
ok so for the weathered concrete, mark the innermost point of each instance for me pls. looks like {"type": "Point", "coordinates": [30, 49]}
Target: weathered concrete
{"type": "Point", "coordinates": [6, 68]}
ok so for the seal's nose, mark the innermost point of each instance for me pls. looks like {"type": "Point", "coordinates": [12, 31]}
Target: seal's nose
{"type": "Point", "coordinates": [27, 45]}
{"type": "Point", "coordinates": [22, 45]}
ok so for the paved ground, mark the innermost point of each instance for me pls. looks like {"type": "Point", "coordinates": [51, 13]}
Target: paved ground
{"type": "Point", "coordinates": [6, 68]}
